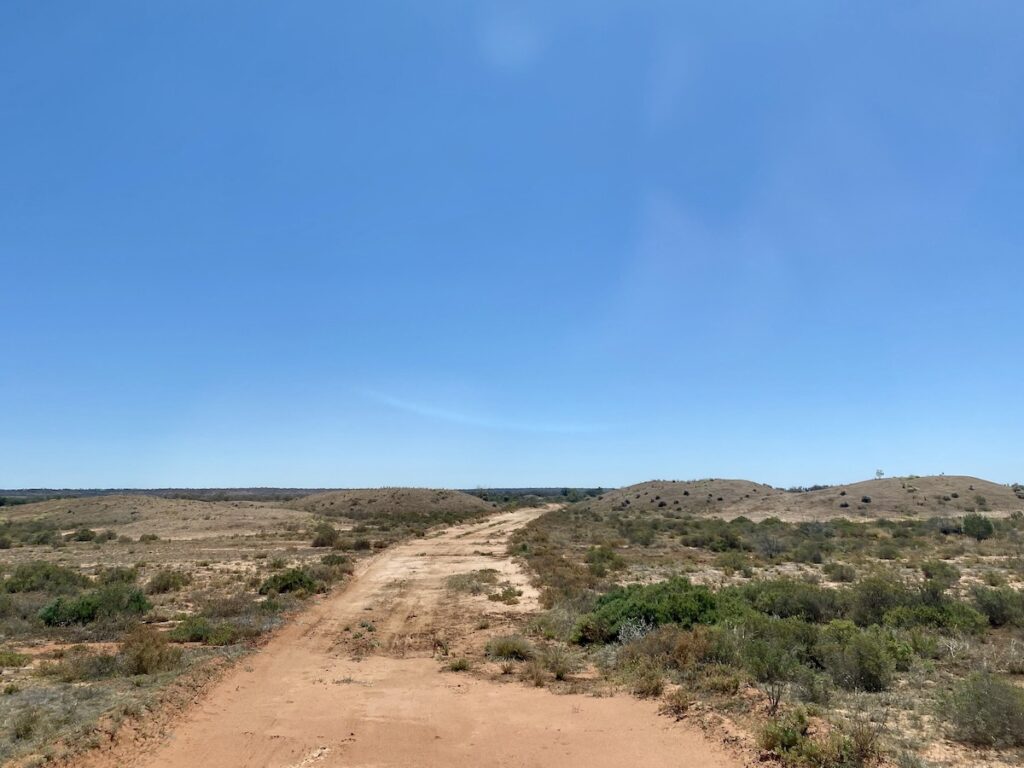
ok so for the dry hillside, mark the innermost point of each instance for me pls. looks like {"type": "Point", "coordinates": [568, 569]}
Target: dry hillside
{"type": "Point", "coordinates": [889, 497]}
{"type": "Point", "coordinates": [400, 502]}
{"type": "Point", "coordinates": [167, 518]}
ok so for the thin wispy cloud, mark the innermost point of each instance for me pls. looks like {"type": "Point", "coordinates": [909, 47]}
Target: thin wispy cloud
{"type": "Point", "coordinates": [479, 420]}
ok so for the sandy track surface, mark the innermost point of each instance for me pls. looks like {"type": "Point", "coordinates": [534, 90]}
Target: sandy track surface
{"type": "Point", "coordinates": [305, 700]}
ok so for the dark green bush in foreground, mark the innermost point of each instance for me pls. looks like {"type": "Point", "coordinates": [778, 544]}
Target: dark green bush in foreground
{"type": "Point", "coordinates": [676, 601]}
{"type": "Point", "coordinates": [199, 629]}
{"type": "Point", "coordinates": [104, 603]}
{"type": "Point", "coordinates": [291, 580]}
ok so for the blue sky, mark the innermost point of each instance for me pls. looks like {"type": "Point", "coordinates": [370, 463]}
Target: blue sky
{"type": "Point", "coordinates": [473, 243]}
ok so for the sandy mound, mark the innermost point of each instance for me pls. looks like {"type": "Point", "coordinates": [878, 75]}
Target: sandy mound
{"type": "Point", "coordinates": [890, 497]}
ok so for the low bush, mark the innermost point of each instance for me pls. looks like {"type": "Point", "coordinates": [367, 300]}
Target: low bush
{"type": "Point", "coordinates": [646, 681]}
{"type": "Point", "coordinates": [291, 580]}
{"type": "Point", "coordinates": [25, 723]}
{"type": "Point", "coordinates": [1001, 605]}
{"type": "Point", "coordinates": [788, 736]}
{"type": "Point", "coordinates": [41, 576]}
{"type": "Point", "coordinates": [669, 648]}
{"type": "Point", "coordinates": [769, 655]}
{"type": "Point", "coordinates": [145, 651]}
{"type": "Point", "coordinates": [675, 601]}
{"type": "Point", "coordinates": [335, 560]}
{"type": "Point", "coordinates": [560, 661]}
{"type": "Point", "coordinates": [199, 629]}
{"type": "Point", "coordinates": [789, 598]}
{"type": "Point", "coordinates": [942, 572]}
{"type": "Point", "coordinates": [510, 647]}
{"type": "Point", "coordinates": [977, 526]}
{"type": "Point", "coordinates": [677, 703]}
{"type": "Point", "coordinates": [474, 582]}
{"type": "Point", "coordinates": [857, 660]}
{"type": "Point", "coordinates": [840, 572]}
{"type": "Point", "coordinates": [325, 535]}
{"type": "Point", "coordinates": [167, 580]}
{"type": "Point", "coordinates": [784, 734]}
{"type": "Point", "coordinates": [986, 711]}
{"type": "Point", "coordinates": [9, 658]}
{"type": "Point", "coordinates": [80, 663]}
{"type": "Point", "coordinates": [118, 576]}
{"type": "Point", "coordinates": [107, 602]}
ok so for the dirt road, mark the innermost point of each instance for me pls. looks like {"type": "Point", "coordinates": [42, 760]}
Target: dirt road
{"type": "Point", "coordinates": [305, 701]}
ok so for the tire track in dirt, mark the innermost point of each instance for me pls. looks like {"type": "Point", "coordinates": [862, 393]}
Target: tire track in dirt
{"type": "Point", "coordinates": [304, 701]}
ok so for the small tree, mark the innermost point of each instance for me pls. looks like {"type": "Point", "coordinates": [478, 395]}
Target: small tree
{"type": "Point", "coordinates": [879, 474]}
{"type": "Point", "coordinates": [978, 526]}
{"type": "Point", "coordinates": [772, 665]}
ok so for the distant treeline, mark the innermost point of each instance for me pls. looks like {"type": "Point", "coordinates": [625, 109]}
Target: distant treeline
{"type": "Point", "coordinates": [514, 494]}
{"type": "Point", "coordinates": [29, 495]}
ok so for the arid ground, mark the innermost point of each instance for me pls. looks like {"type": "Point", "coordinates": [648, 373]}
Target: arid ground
{"type": "Point", "coordinates": [314, 697]}
{"type": "Point", "coordinates": [685, 623]}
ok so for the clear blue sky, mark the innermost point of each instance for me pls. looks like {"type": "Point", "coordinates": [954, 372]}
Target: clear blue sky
{"type": "Point", "coordinates": [472, 243]}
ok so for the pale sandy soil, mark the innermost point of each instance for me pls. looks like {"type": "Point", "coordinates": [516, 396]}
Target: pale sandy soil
{"type": "Point", "coordinates": [305, 700]}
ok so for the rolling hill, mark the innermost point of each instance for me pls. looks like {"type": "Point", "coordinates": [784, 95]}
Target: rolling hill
{"type": "Point", "coordinates": [132, 515]}
{"type": "Point", "coordinates": [935, 495]}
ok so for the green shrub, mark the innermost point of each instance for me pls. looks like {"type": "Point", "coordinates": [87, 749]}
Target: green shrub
{"type": "Point", "coordinates": [977, 526]}
{"type": "Point", "coordinates": [857, 660]}
{"type": "Point", "coordinates": [145, 651]}
{"type": "Point", "coordinates": [873, 596]}
{"type": "Point", "coordinates": [603, 559]}
{"type": "Point", "coordinates": [677, 703]}
{"type": "Point", "coordinates": [789, 598]}
{"type": "Point", "coordinates": [325, 535]}
{"type": "Point", "coordinates": [1002, 605]}
{"type": "Point", "coordinates": [167, 580]}
{"type": "Point", "coordinates": [951, 616]}
{"type": "Point", "coordinates": [79, 664]}
{"type": "Point", "coordinates": [25, 723]}
{"type": "Point", "coordinates": [460, 664]}
{"type": "Point", "coordinates": [42, 576]}
{"type": "Point", "coordinates": [941, 572]}
{"type": "Point", "coordinates": [83, 534]}
{"type": "Point", "coordinates": [560, 661]}
{"type": "Point", "coordinates": [106, 602]}
{"type": "Point", "coordinates": [986, 711]}
{"type": "Point", "coordinates": [291, 580]}
{"type": "Point", "coordinates": [646, 681]}
{"type": "Point", "coordinates": [118, 576]}
{"type": "Point", "coordinates": [510, 647]}
{"type": "Point", "coordinates": [784, 734]}
{"type": "Point", "coordinates": [771, 653]}
{"type": "Point", "coordinates": [199, 629]}
{"type": "Point", "coordinates": [732, 562]}
{"type": "Point", "coordinates": [788, 736]}
{"type": "Point", "coordinates": [474, 582]}
{"type": "Point", "coordinates": [669, 602]}
{"type": "Point", "coordinates": [10, 658]}
{"type": "Point", "coordinates": [670, 647]}
{"type": "Point", "coordinates": [840, 572]}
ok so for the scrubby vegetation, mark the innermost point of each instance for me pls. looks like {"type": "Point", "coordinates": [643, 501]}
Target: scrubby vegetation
{"type": "Point", "coordinates": [817, 617]}
{"type": "Point", "coordinates": [85, 584]}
